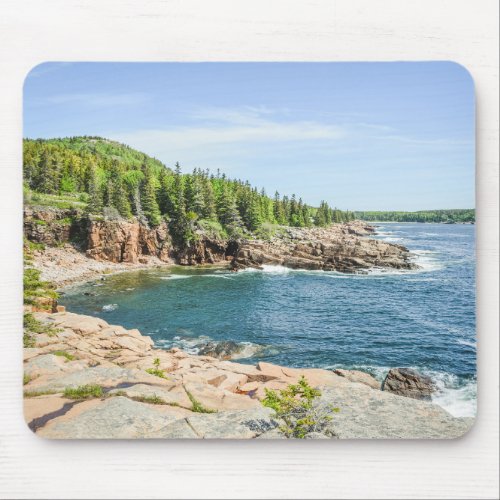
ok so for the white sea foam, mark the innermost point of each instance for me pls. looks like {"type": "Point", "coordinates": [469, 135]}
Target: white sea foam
{"type": "Point", "coordinates": [457, 398]}
{"type": "Point", "coordinates": [109, 307]}
{"type": "Point", "coordinates": [176, 277]}
{"type": "Point", "coordinates": [275, 269]}
{"type": "Point", "coordinates": [393, 239]}
{"type": "Point", "coordinates": [466, 342]}
{"type": "Point", "coordinates": [223, 276]}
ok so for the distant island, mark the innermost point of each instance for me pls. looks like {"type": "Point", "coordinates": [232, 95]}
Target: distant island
{"type": "Point", "coordinates": [453, 216]}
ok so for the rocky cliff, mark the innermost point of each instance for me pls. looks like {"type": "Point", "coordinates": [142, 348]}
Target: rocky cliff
{"type": "Point", "coordinates": [340, 247]}
{"type": "Point", "coordinates": [119, 241]}
{"type": "Point", "coordinates": [88, 379]}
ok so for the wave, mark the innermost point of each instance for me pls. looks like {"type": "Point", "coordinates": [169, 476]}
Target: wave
{"type": "Point", "coordinates": [194, 344]}
{"type": "Point", "coordinates": [176, 276]}
{"type": "Point", "coordinates": [467, 343]}
{"type": "Point", "coordinates": [457, 397]}
{"type": "Point", "coordinates": [109, 307]}
{"type": "Point", "coordinates": [426, 260]}
{"type": "Point", "coordinates": [223, 276]}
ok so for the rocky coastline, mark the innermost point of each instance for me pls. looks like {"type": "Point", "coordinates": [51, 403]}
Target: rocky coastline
{"type": "Point", "coordinates": [76, 248]}
{"type": "Point", "coordinates": [87, 379]}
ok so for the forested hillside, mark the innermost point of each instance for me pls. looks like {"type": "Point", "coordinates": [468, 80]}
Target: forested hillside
{"type": "Point", "coordinates": [446, 216]}
{"type": "Point", "coordinates": [110, 179]}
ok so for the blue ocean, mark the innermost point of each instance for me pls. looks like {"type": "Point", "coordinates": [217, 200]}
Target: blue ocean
{"type": "Point", "coordinates": [424, 319]}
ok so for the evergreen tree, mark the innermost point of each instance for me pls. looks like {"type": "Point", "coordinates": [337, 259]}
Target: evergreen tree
{"type": "Point", "coordinates": [148, 198]}
{"type": "Point", "coordinates": [95, 203]}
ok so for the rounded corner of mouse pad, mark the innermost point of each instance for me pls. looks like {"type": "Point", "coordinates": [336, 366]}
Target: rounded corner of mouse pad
{"type": "Point", "coordinates": [249, 250]}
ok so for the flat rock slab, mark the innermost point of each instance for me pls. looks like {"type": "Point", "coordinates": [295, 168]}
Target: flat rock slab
{"type": "Point", "coordinates": [49, 364]}
{"type": "Point", "coordinates": [113, 418]}
{"type": "Point", "coordinates": [172, 395]}
{"type": "Point", "coordinates": [104, 376]}
{"type": "Point", "coordinates": [359, 377]}
{"type": "Point", "coordinates": [368, 414]}
{"type": "Point", "coordinates": [241, 424]}
{"type": "Point", "coordinates": [35, 409]}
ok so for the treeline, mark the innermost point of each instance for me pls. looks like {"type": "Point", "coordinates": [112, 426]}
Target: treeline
{"type": "Point", "coordinates": [117, 181]}
{"type": "Point", "coordinates": [445, 216]}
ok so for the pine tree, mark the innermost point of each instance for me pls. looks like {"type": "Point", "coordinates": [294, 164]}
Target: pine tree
{"type": "Point", "coordinates": [94, 205]}
{"type": "Point", "coordinates": [148, 198]}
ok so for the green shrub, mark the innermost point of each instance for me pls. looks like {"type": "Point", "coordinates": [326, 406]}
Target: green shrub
{"type": "Point", "coordinates": [212, 229]}
{"type": "Point", "coordinates": [35, 288]}
{"type": "Point", "coordinates": [32, 325]}
{"type": "Point", "coordinates": [299, 408]}
{"type": "Point", "coordinates": [83, 392]}
{"type": "Point", "coordinates": [268, 231]}
{"type": "Point", "coordinates": [28, 340]}
{"type": "Point", "coordinates": [26, 379]}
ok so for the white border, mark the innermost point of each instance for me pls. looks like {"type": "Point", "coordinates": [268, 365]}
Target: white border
{"type": "Point", "coordinates": [287, 30]}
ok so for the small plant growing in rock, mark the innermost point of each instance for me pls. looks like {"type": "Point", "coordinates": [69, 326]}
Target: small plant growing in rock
{"type": "Point", "coordinates": [156, 371]}
{"type": "Point", "coordinates": [300, 409]}
{"type": "Point", "coordinates": [197, 407]}
{"type": "Point", "coordinates": [64, 354]}
{"type": "Point", "coordinates": [32, 325]}
{"type": "Point", "coordinates": [83, 392]}
{"type": "Point", "coordinates": [153, 400]}
{"type": "Point", "coordinates": [26, 379]}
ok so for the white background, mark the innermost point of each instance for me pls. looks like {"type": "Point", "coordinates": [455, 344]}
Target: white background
{"type": "Point", "coordinates": [33, 31]}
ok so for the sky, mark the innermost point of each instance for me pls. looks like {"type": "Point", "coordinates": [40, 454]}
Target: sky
{"type": "Point", "coordinates": [362, 136]}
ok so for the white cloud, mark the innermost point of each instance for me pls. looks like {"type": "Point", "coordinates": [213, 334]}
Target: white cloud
{"type": "Point", "coordinates": [220, 130]}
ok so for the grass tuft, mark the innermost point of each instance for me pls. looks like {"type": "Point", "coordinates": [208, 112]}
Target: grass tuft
{"type": "Point", "coordinates": [35, 393]}
{"type": "Point", "coordinates": [197, 406]}
{"type": "Point", "coordinates": [64, 354]}
{"type": "Point", "coordinates": [83, 392]}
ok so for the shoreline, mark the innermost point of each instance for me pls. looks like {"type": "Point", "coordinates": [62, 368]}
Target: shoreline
{"type": "Point", "coordinates": [120, 361]}
{"type": "Point", "coordinates": [172, 394]}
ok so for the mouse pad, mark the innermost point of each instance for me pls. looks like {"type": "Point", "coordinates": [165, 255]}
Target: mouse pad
{"type": "Point", "coordinates": [249, 250]}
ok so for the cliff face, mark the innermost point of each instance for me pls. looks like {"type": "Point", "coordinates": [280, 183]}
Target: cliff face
{"type": "Point", "coordinates": [53, 226]}
{"type": "Point", "coordinates": [123, 241]}
{"type": "Point", "coordinates": [119, 241]}
{"type": "Point", "coordinates": [341, 247]}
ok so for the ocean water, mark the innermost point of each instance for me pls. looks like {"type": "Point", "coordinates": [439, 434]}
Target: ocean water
{"type": "Point", "coordinates": [424, 319]}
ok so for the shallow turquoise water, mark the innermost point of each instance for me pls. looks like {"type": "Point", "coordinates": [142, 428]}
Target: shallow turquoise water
{"type": "Point", "coordinates": [423, 319]}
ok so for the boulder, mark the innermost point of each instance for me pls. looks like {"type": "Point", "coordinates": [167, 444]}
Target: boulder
{"type": "Point", "coordinates": [220, 350]}
{"type": "Point", "coordinates": [409, 383]}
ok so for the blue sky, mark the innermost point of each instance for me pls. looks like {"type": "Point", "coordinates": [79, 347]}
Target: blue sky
{"type": "Point", "coordinates": [363, 136]}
